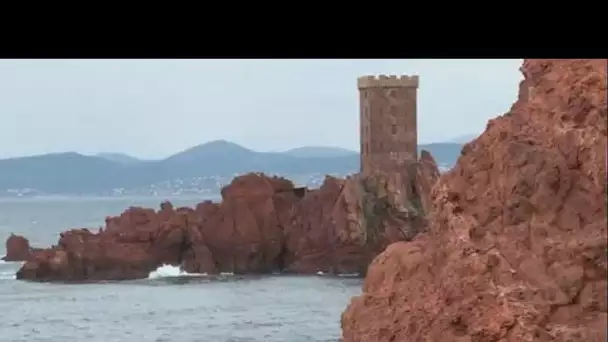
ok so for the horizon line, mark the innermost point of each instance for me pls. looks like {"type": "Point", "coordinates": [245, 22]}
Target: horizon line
{"type": "Point", "coordinates": [95, 154]}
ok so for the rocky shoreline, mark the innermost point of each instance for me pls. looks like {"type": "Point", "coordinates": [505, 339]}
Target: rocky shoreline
{"type": "Point", "coordinates": [262, 225]}
{"type": "Point", "coordinates": [509, 245]}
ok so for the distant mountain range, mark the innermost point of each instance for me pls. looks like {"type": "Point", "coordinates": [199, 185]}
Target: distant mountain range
{"type": "Point", "coordinates": [73, 173]}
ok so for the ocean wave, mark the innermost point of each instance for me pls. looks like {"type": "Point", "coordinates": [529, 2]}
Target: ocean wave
{"type": "Point", "coordinates": [14, 263]}
{"type": "Point", "coordinates": [349, 275]}
{"type": "Point", "coordinates": [171, 271]}
{"type": "Point", "coordinates": [343, 275]}
{"type": "Point", "coordinates": [8, 269]}
{"type": "Point", "coordinates": [8, 275]}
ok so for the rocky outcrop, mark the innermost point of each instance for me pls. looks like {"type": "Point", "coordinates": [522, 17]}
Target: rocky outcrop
{"type": "Point", "coordinates": [263, 224]}
{"type": "Point", "coordinates": [340, 227]}
{"type": "Point", "coordinates": [517, 242]}
{"type": "Point", "coordinates": [234, 236]}
{"type": "Point", "coordinates": [244, 233]}
{"type": "Point", "coordinates": [17, 248]}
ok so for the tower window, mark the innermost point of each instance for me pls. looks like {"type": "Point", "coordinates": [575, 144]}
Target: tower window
{"type": "Point", "coordinates": [394, 129]}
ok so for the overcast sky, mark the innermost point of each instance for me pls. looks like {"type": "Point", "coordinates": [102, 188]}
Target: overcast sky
{"type": "Point", "coordinates": [154, 108]}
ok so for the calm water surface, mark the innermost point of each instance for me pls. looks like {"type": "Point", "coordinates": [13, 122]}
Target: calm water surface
{"type": "Point", "coordinates": [168, 306]}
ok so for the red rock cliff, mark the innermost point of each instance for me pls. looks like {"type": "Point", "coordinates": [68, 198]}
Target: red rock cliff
{"type": "Point", "coordinates": [517, 242]}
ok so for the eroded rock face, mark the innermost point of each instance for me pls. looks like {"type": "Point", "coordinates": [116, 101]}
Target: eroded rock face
{"type": "Point", "coordinates": [242, 234]}
{"type": "Point", "coordinates": [263, 224]}
{"type": "Point", "coordinates": [17, 248]}
{"type": "Point", "coordinates": [245, 231]}
{"type": "Point", "coordinates": [517, 241]}
{"type": "Point", "coordinates": [340, 227]}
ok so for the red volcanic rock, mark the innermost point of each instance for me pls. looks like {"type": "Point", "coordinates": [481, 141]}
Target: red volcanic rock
{"type": "Point", "coordinates": [340, 227]}
{"type": "Point", "coordinates": [130, 246]}
{"type": "Point", "coordinates": [427, 175]}
{"type": "Point", "coordinates": [517, 240]}
{"type": "Point", "coordinates": [242, 234]}
{"type": "Point", "coordinates": [263, 224]}
{"type": "Point", "coordinates": [245, 231]}
{"type": "Point", "coordinates": [17, 248]}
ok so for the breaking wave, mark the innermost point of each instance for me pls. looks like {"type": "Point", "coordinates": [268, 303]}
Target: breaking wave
{"type": "Point", "coordinates": [8, 269]}
{"type": "Point", "coordinates": [8, 275]}
{"type": "Point", "coordinates": [170, 271]}
{"type": "Point", "coordinates": [341, 275]}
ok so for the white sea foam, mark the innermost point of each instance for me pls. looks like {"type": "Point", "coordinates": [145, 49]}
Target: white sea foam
{"type": "Point", "coordinates": [345, 275]}
{"type": "Point", "coordinates": [349, 275]}
{"type": "Point", "coordinates": [168, 271]}
{"type": "Point", "coordinates": [8, 275]}
{"type": "Point", "coordinates": [9, 269]}
{"type": "Point", "coordinates": [14, 263]}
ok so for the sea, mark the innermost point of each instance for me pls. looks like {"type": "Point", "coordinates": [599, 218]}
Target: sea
{"type": "Point", "coordinates": [170, 305]}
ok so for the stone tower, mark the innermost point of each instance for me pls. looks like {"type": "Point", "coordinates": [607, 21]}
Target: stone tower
{"type": "Point", "coordinates": [388, 135]}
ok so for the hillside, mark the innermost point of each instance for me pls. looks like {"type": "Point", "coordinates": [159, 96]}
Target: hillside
{"type": "Point", "coordinates": [73, 173]}
{"type": "Point", "coordinates": [119, 158]}
{"type": "Point", "coordinates": [59, 172]}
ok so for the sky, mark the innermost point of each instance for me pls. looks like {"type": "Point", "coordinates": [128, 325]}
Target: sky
{"type": "Point", "coordinates": [152, 108]}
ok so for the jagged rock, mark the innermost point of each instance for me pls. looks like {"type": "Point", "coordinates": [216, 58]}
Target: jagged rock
{"type": "Point", "coordinates": [263, 224]}
{"type": "Point", "coordinates": [241, 234]}
{"type": "Point", "coordinates": [340, 227]}
{"type": "Point", "coordinates": [244, 232]}
{"type": "Point", "coordinates": [17, 248]}
{"type": "Point", "coordinates": [517, 240]}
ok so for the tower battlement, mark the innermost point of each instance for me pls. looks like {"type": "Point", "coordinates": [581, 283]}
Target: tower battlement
{"type": "Point", "coordinates": [389, 137]}
{"type": "Point", "coordinates": [384, 81]}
